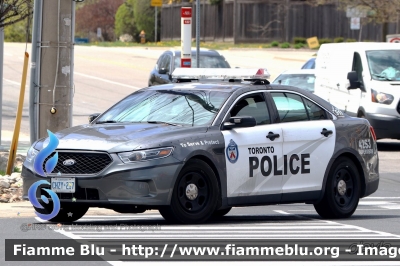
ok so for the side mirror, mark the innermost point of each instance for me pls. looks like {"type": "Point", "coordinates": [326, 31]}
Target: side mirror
{"type": "Point", "coordinates": [93, 117]}
{"type": "Point", "coordinates": [162, 71]}
{"type": "Point", "coordinates": [240, 121]}
{"type": "Point", "coordinates": [353, 79]}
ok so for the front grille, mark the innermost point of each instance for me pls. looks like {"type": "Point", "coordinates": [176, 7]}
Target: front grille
{"type": "Point", "coordinates": [398, 107]}
{"type": "Point", "coordinates": [85, 163]}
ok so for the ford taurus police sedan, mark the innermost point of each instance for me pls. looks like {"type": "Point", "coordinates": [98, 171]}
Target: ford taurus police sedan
{"type": "Point", "coordinates": [195, 149]}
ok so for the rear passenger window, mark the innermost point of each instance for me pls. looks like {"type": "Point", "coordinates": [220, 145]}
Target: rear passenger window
{"type": "Point", "coordinates": [252, 105]}
{"type": "Point", "coordinates": [290, 107]}
{"type": "Point", "coordinates": [314, 111]}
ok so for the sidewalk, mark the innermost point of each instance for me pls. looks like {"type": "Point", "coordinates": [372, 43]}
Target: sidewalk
{"type": "Point", "coordinates": [23, 142]}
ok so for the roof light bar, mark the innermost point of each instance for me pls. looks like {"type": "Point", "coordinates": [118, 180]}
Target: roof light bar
{"type": "Point", "coordinates": [220, 73]}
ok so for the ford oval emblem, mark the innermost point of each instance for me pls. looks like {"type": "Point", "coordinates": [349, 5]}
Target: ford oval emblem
{"type": "Point", "coordinates": [69, 162]}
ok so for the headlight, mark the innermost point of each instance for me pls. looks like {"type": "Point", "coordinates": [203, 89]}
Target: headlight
{"type": "Point", "coordinates": [145, 155]}
{"type": "Point", "coordinates": [380, 97]}
{"type": "Point", "coordinates": [31, 154]}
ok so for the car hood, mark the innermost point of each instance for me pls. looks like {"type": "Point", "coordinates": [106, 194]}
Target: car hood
{"type": "Point", "coordinates": [118, 137]}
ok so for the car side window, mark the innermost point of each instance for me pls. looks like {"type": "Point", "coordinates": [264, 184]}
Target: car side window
{"type": "Point", "coordinates": [290, 107]}
{"type": "Point", "coordinates": [252, 105]}
{"type": "Point", "coordinates": [160, 61]}
{"type": "Point", "coordinates": [314, 111]}
{"type": "Point", "coordinates": [167, 62]}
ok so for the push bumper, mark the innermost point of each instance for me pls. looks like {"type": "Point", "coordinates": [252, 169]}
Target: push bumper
{"type": "Point", "coordinates": [144, 186]}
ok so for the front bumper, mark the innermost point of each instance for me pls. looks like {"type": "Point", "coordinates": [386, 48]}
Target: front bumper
{"type": "Point", "coordinates": [147, 186]}
{"type": "Point", "coordinates": [385, 126]}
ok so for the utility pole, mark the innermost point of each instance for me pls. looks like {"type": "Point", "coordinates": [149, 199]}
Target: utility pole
{"type": "Point", "coordinates": [52, 67]}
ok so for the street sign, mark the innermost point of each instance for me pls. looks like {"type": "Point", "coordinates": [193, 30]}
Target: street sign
{"type": "Point", "coordinates": [394, 38]}
{"type": "Point", "coordinates": [355, 23]}
{"type": "Point", "coordinates": [156, 3]}
{"type": "Point", "coordinates": [313, 42]}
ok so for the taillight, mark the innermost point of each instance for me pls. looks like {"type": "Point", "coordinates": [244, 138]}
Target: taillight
{"type": "Point", "coordinates": [372, 132]}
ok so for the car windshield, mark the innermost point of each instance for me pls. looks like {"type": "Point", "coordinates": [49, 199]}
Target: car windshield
{"type": "Point", "coordinates": [384, 64]}
{"type": "Point", "coordinates": [177, 107]}
{"type": "Point", "coordinates": [206, 61]}
{"type": "Point", "coordinates": [302, 81]}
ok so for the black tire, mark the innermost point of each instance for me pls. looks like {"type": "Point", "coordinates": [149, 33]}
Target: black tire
{"type": "Point", "coordinates": [220, 213]}
{"type": "Point", "coordinates": [342, 191]}
{"type": "Point", "coordinates": [67, 214]}
{"type": "Point", "coordinates": [199, 209]}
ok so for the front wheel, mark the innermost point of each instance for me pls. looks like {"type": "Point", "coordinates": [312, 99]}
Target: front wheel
{"type": "Point", "coordinates": [222, 212]}
{"type": "Point", "coordinates": [67, 214]}
{"type": "Point", "coordinates": [342, 191]}
{"type": "Point", "coordinates": [195, 195]}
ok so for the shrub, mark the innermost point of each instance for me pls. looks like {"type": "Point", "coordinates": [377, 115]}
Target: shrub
{"type": "Point", "coordinates": [351, 40]}
{"type": "Point", "coordinates": [285, 45]}
{"type": "Point", "coordinates": [298, 45]}
{"type": "Point", "coordinates": [324, 40]}
{"type": "Point", "coordinates": [274, 44]}
{"type": "Point", "coordinates": [297, 40]}
{"type": "Point", "coordinates": [338, 39]}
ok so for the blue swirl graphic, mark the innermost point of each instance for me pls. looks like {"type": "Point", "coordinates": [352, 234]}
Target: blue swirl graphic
{"type": "Point", "coordinates": [32, 198]}
{"type": "Point", "coordinates": [44, 153]}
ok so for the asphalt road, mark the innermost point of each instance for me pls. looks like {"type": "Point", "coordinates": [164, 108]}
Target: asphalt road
{"type": "Point", "coordinates": [105, 75]}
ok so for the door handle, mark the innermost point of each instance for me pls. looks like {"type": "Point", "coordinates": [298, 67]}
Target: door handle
{"type": "Point", "coordinates": [326, 132]}
{"type": "Point", "coordinates": [272, 136]}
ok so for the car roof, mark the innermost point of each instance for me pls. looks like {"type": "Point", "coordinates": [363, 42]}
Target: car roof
{"type": "Point", "coordinates": [203, 51]}
{"type": "Point", "coordinates": [298, 71]}
{"type": "Point", "coordinates": [233, 87]}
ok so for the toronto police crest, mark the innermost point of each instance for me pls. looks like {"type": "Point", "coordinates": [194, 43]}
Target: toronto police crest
{"type": "Point", "coordinates": [232, 152]}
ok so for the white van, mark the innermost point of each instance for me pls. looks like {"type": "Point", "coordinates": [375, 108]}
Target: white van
{"type": "Point", "coordinates": [363, 80]}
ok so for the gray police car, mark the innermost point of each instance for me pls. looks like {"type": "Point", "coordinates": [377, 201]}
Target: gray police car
{"type": "Point", "coordinates": [196, 149]}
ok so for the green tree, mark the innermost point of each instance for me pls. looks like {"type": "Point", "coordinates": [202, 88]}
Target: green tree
{"type": "Point", "coordinates": [143, 15]}
{"type": "Point", "coordinates": [12, 11]}
{"type": "Point", "coordinates": [124, 20]}
{"type": "Point", "coordinates": [15, 32]}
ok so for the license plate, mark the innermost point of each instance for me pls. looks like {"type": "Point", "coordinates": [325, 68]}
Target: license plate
{"type": "Point", "coordinates": [63, 185]}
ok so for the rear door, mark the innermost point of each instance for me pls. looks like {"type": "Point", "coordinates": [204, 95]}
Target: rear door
{"type": "Point", "coordinates": [251, 156]}
{"type": "Point", "coordinates": [308, 144]}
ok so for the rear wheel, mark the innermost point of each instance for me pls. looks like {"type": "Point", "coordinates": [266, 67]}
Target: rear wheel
{"type": "Point", "coordinates": [195, 194]}
{"type": "Point", "coordinates": [342, 190]}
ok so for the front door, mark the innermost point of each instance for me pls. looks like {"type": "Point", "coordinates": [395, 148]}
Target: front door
{"type": "Point", "coordinates": [253, 154]}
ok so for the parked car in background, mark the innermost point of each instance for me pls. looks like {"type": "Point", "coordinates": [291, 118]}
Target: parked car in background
{"type": "Point", "coordinates": [169, 60]}
{"type": "Point", "coordinates": [300, 78]}
{"type": "Point", "coordinates": [310, 64]}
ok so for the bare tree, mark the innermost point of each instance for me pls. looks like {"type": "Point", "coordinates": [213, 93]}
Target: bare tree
{"type": "Point", "coordinates": [378, 11]}
{"type": "Point", "coordinates": [12, 11]}
{"type": "Point", "coordinates": [98, 14]}
{"type": "Point", "coordinates": [279, 21]}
